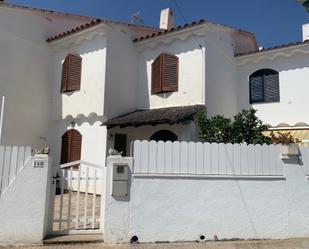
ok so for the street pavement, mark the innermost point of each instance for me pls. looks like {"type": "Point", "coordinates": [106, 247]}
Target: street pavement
{"type": "Point", "coordinates": [263, 244]}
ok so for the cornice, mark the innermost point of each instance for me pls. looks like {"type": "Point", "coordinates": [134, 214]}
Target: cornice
{"type": "Point", "coordinates": [272, 55]}
{"type": "Point", "coordinates": [170, 38]}
{"type": "Point", "coordinates": [78, 38]}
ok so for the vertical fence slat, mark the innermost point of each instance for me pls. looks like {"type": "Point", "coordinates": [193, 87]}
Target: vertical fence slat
{"type": "Point", "coordinates": [144, 157]}
{"type": "Point", "coordinates": [168, 162]}
{"type": "Point", "coordinates": [251, 159]}
{"type": "Point", "coordinates": [237, 159]}
{"type": "Point", "coordinates": [21, 157]}
{"type": "Point", "coordinates": [13, 164]}
{"type": "Point", "coordinates": [78, 198]}
{"type": "Point", "coordinates": [265, 160]}
{"type": "Point", "coordinates": [94, 199]}
{"type": "Point", "coordinates": [184, 151]}
{"type": "Point", "coordinates": [192, 167]}
{"type": "Point", "coordinates": [69, 198]}
{"type": "Point", "coordinates": [61, 183]}
{"type": "Point", "coordinates": [199, 159]}
{"type": "Point", "coordinates": [2, 152]}
{"type": "Point", "coordinates": [229, 152]}
{"type": "Point", "coordinates": [6, 168]}
{"type": "Point", "coordinates": [137, 156]}
{"type": "Point", "coordinates": [160, 157]}
{"type": "Point", "coordinates": [215, 159]}
{"type": "Point", "coordinates": [207, 167]}
{"type": "Point", "coordinates": [244, 159]}
{"type": "Point", "coordinates": [273, 159]}
{"type": "Point", "coordinates": [176, 157]}
{"type": "Point", "coordinates": [258, 160]}
{"type": "Point", "coordinates": [221, 159]}
{"type": "Point", "coordinates": [86, 198]}
{"type": "Point", "coordinates": [152, 157]}
{"type": "Point", "coordinates": [28, 151]}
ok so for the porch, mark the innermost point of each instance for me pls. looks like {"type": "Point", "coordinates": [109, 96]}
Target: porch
{"type": "Point", "coordinates": [165, 124]}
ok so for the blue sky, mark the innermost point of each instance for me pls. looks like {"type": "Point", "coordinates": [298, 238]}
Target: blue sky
{"type": "Point", "coordinates": [274, 22]}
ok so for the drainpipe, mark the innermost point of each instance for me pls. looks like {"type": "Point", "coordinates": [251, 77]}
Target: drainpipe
{"type": "Point", "coordinates": [1, 117]}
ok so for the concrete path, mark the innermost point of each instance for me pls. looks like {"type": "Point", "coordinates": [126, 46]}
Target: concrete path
{"type": "Point", "coordinates": [272, 244]}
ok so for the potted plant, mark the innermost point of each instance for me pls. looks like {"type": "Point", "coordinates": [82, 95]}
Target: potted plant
{"type": "Point", "coordinates": [289, 146]}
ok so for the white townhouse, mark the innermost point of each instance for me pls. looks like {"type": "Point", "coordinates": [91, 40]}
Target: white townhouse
{"type": "Point", "coordinates": [81, 85]}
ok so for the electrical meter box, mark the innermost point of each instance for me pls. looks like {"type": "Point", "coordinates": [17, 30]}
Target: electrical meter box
{"type": "Point", "coordinates": [120, 180]}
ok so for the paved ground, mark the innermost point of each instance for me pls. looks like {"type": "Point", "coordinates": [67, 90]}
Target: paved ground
{"type": "Point", "coordinates": [274, 244]}
{"type": "Point", "coordinates": [63, 225]}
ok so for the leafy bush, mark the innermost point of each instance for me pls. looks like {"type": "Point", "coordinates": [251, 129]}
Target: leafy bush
{"type": "Point", "coordinates": [245, 128]}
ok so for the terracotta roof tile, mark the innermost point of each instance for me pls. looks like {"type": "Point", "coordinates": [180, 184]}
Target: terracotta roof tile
{"type": "Point", "coordinates": [288, 45]}
{"type": "Point", "coordinates": [75, 30]}
{"type": "Point", "coordinates": [185, 26]}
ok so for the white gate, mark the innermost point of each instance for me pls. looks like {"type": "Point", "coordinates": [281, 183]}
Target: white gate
{"type": "Point", "coordinates": [77, 198]}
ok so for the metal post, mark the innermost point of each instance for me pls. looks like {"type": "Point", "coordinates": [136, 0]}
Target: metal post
{"type": "Point", "coordinates": [1, 116]}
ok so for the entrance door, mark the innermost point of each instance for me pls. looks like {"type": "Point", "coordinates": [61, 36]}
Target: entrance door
{"type": "Point", "coordinates": [121, 143]}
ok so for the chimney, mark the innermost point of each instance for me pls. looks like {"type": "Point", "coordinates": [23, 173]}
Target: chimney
{"type": "Point", "coordinates": [305, 32]}
{"type": "Point", "coordinates": [167, 19]}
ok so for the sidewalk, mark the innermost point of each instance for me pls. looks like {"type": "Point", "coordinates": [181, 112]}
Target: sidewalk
{"type": "Point", "coordinates": [270, 244]}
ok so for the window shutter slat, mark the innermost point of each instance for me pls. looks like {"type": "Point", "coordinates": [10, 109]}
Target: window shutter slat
{"type": "Point", "coordinates": [75, 71]}
{"type": "Point", "coordinates": [71, 73]}
{"type": "Point", "coordinates": [164, 76]}
{"type": "Point", "coordinates": [271, 88]}
{"type": "Point", "coordinates": [156, 81]}
{"type": "Point", "coordinates": [264, 86]}
{"type": "Point", "coordinates": [64, 76]}
{"type": "Point", "coordinates": [170, 73]}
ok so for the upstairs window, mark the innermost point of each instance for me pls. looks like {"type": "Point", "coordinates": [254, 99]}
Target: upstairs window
{"type": "Point", "coordinates": [164, 75]}
{"type": "Point", "coordinates": [264, 86]}
{"type": "Point", "coordinates": [71, 73]}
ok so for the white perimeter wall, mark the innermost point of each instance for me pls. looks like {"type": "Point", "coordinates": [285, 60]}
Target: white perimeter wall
{"type": "Point", "coordinates": [183, 206]}
{"type": "Point", "coordinates": [24, 207]}
{"type": "Point", "coordinates": [293, 74]}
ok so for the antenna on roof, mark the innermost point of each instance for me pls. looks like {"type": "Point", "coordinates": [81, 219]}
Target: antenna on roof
{"type": "Point", "coordinates": [136, 18]}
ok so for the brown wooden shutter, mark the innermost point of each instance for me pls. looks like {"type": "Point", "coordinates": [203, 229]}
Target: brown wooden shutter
{"type": "Point", "coordinates": [75, 71]}
{"type": "Point", "coordinates": [156, 75]}
{"type": "Point", "coordinates": [65, 148]}
{"type": "Point", "coordinates": [170, 73]}
{"type": "Point", "coordinates": [76, 146]}
{"type": "Point", "coordinates": [71, 146]}
{"type": "Point", "coordinates": [64, 76]}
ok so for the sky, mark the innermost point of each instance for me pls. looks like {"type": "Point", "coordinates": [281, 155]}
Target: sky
{"type": "Point", "coordinates": [274, 22]}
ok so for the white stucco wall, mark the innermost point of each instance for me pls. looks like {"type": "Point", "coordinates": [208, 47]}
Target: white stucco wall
{"type": "Point", "coordinates": [182, 208]}
{"type": "Point", "coordinates": [25, 73]}
{"type": "Point", "coordinates": [191, 81]}
{"type": "Point", "coordinates": [121, 73]}
{"type": "Point", "coordinates": [24, 207]}
{"type": "Point", "coordinates": [292, 65]}
{"type": "Point", "coordinates": [90, 98]}
{"type": "Point", "coordinates": [221, 74]}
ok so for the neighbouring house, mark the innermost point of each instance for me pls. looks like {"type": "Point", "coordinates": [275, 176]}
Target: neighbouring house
{"type": "Point", "coordinates": [82, 85]}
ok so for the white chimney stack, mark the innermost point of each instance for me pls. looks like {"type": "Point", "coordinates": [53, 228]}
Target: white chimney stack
{"type": "Point", "coordinates": [167, 19]}
{"type": "Point", "coordinates": [305, 32]}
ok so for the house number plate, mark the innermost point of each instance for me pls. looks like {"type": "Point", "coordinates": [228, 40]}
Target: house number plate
{"type": "Point", "coordinates": [39, 164]}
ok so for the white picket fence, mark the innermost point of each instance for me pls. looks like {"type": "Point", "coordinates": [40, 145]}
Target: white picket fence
{"type": "Point", "coordinates": [12, 160]}
{"type": "Point", "coordinates": [190, 158]}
